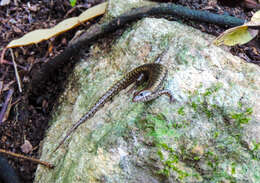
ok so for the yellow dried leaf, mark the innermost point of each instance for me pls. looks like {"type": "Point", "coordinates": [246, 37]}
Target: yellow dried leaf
{"type": "Point", "coordinates": [30, 38]}
{"type": "Point", "coordinates": [240, 34]}
{"type": "Point", "coordinates": [65, 25]}
{"type": "Point", "coordinates": [39, 35]}
{"type": "Point", "coordinates": [233, 36]}
{"type": "Point", "coordinates": [93, 12]}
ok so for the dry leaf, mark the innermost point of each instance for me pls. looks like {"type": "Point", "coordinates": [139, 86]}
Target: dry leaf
{"type": "Point", "coordinates": [93, 12]}
{"type": "Point", "coordinates": [39, 35]}
{"type": "Point", "coordinates": [7, 112]}
{"type": "Point", "coordinates": [255, 20]}
{"type": "Point", "coordinates": [4, 2]}
{"type": "Point", "coordinates": [233, 36]}
{"type": "Point", "coordinates": [8, 104]}
{"type": "Point", "coordinates": [26, 147]}
{"type": "Point", "coordinates": [240, 34]}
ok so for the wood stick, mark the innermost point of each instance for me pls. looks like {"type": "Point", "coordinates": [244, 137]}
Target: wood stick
{"type": "Point", "coordinates": [27, 158]}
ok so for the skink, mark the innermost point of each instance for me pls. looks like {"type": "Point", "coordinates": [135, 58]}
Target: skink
{"type": "Point", "coordinates": [153, 73]}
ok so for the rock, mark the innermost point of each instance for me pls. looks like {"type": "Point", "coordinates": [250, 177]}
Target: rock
{"type": "Point", "coordinates": [209, 134]}
{"type": "Point", "coordinates": [118, 7]}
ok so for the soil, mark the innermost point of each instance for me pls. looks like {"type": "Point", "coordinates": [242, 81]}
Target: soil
{"type": "Point", "coordinates": [28, 114]}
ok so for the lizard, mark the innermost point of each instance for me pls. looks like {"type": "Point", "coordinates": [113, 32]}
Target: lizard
{"type": "Point", "coordinates": [153, 73]}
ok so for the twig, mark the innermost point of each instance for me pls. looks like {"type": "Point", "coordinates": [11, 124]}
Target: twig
{"type": "Point", "coordinates": [7, 100]}
{"type": "Point", "coordinates": [2, 55]}
{"type": "Point", "coordinates": [27, 158]}
{"type": "Point", "coordinates": [1, 86]}
{"type": "Point", "coordinates": [18, 100]}
{"type": "Point", "coordinates": [16, 72]}
{"type": "Point", "coordinates": [10, 63]}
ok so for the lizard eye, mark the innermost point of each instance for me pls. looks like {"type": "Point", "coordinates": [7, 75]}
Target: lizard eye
{"type": "Point", "coordinates": [142, 96]}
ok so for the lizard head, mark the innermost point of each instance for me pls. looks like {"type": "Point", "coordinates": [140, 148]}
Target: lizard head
{"type": "Point", "coordinates": [142, 96]}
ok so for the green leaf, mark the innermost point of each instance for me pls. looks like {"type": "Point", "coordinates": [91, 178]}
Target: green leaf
{"type": "Point", "coordinates": [73, 2]}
